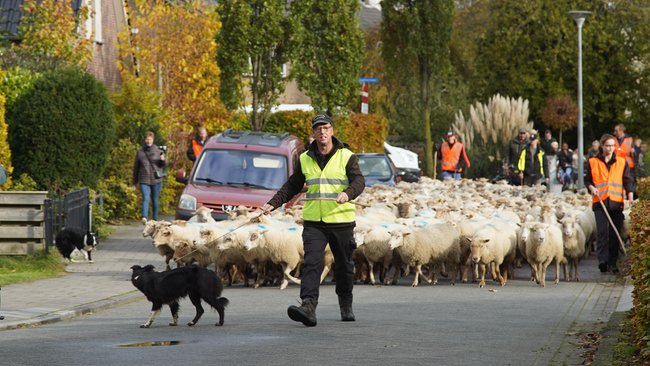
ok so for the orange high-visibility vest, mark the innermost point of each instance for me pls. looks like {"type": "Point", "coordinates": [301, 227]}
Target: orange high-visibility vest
{"type": "Point", "coordinates": [608, 182]}
{"type": "Point", "coordinates": [450, 156]}
{"type": "Point", "coordinates": [625, 150]}
{"type": "Point", "coordinates": [196, 147]}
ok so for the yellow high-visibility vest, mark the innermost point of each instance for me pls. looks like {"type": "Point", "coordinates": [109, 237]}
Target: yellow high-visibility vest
{"type": "Point", "coordinates": [323, 186]}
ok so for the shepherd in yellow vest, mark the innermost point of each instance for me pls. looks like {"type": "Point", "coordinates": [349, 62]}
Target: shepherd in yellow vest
{"type": "Point", "coordinates": [608, 179]}
{"type": "Point", "coordinates": [331, 172]}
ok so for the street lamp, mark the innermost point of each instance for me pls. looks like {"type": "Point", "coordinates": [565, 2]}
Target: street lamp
{"type": "Point", "coordinates": [579, 16]}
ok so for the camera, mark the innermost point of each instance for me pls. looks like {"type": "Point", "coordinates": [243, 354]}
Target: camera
{"type": "Point", "coordinates": [163, 148]}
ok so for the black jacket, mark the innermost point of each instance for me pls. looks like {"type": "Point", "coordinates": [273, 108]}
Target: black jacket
{"type": "Point", "coordinates": [145, 158]}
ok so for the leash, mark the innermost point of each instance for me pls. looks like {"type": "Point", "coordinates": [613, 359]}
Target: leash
{"type": "Point", "coordinates": [611, 222]}
{"type": "Point", "coordinates": [249, 221]}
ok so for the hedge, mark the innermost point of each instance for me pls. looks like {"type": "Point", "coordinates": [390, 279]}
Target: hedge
{"type": "Point", "coordinates": [62, 129]}
{"type": "Point", "coordinates": [640, 268]}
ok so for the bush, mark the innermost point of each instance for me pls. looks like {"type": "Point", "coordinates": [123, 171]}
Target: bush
{"type": "Point", "coordinates": [120, 199]}
{"type": "Point", "coordinates": [363, 132]}
{"type": "Point", "coordinates": [295, 122]}
{"type": "Point", "coordinates": [65, 116]}
{"type": "Point", "coordinates": [639, 264]}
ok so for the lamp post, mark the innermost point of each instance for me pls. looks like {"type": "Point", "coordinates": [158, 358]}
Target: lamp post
{"type": "Point", "coordinates": [579, 16]}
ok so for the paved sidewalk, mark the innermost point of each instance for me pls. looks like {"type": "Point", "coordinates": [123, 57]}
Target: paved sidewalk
{"type": "Point", "coordinates": [85, 287]}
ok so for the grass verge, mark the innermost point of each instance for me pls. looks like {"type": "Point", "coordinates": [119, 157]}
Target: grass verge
{"type": "Point", "coordinates": [624, 350]}
{"type": "Point", "coordinates": [25, 268]}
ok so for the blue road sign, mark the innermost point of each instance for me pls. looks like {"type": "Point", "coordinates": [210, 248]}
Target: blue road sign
{"type": "Point", "coordinates": [369, 80]}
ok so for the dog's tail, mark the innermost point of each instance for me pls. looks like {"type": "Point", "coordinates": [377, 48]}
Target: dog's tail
{"type": "Point", "coordinates": [223, 302]}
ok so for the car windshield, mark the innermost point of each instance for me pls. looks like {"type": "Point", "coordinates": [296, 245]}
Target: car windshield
{"type": "Point", "coordinates": [375, 166]}
{"type": "Point", "coordinates": [241, 168]}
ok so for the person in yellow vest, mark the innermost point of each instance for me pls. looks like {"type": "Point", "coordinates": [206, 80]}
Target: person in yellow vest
{"type": "Point", "coordinates": [333, 177]}
{"type": "Point", "coordinates": [532, 165]}
{"type": "Point", "coordinates": [197, 143]}
{"type": "Point", "coordinates": [608, 179]}
{"type": "Point", "coordinates": [453, 156]}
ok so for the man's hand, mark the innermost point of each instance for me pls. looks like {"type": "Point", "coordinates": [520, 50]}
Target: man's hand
{"type": "Point", "coordinates": [266, 209]}
{"type": "Point", "coordinates": [593, 190]}
{"type": "Point", "coordinates": [342, 198]}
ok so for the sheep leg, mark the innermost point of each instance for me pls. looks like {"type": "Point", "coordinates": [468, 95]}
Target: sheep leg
{"type": "Point", "coordinates": [475, 275]}
{"type": "Point", "coordinates": [416, 279]}
{"type": "Point", "coordinates": [326, 270]}
{"type": "Point", "coordinates": [504, 273]}
{"type": "Point", "coordinates": [557, 270]}
{"type": "Point", "coordinates": [499, 277]}
{"type": "Point", "coordinates": [286, 269]}
{"type": "Point", "coordinates": [493, 269]}
{"type": "Point", "coordinates": [575, 269]}
{"type": "Point", "coordinates": [371, 271]}
{"type": "Point", "coordinates": [481, 284]}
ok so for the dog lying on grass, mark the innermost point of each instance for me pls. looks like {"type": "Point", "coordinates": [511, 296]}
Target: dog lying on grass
{"type": "Point", "coordinates": [168, 287]}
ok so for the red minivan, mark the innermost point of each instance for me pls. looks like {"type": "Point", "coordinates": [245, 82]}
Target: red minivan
{"type": "Point", "coordinates": [238, 168]}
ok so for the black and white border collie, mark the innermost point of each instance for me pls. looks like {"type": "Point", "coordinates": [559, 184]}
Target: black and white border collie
{"type": "Point", "coordinates": [70, 239]}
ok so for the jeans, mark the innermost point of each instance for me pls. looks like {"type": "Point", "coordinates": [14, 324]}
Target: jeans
{"type": "Point", "coordinates": [150, 192]}
{"type": "Point", "coordinates": [565, 175]}
{"type": "Point", "coordinates": [449, 175]}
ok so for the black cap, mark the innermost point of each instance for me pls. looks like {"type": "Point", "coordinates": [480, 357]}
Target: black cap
{"type": "Point", "coordinates": [320, 119]}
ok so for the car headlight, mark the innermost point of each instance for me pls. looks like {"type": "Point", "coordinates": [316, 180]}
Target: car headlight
{"type": "Point", "coordinates": [187, 202]}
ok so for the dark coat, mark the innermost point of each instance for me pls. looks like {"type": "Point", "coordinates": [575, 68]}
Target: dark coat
{"type": "Point", "coordinates": [143, 168]}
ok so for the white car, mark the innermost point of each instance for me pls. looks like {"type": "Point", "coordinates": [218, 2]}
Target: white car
{"type": "Point", "coordinates": [406, 162]}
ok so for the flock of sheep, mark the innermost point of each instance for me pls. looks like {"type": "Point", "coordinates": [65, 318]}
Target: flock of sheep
{"type": "Point", "coordinates": [430, 228]}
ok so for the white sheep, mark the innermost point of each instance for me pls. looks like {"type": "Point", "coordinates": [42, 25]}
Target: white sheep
{"type": "Point", "coordinates": [437, 244]}
{"type": "Point", "coordinates": [542, 247]}
{"type": "Point", "coordinates": [203, 214]}
{"type": "Point", "coordinates": [574, 245]}
{"type": "Point", "coordinates": [373, 244]}
{"type": "Point", "coordinates": [489, 245]}
{"type": "Point", "coordinates": [284, 247]}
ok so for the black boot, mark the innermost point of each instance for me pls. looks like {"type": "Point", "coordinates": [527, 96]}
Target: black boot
{"type": "Point", "coordinates": [346, 314]}
{"type": "Point", "coordinates": [305, 313]}
{"type": "Point", "coordinates": [345, 303]}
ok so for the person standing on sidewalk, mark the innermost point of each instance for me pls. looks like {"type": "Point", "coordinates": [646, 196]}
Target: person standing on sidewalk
{"type": "Point", "coordinates": [333, 178]}
{"type": "Point", "coordinates": [608, 179]}
{"type": "Point", "coordinates": [149, 161]}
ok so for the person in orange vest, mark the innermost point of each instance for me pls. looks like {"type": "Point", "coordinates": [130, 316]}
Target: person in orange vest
{"type": "Point", "coordinates": [608, 179]}
{"type": "Point", "coordinates": [197, 144]}
{"type": "Point", "coordinates": [624, 146]}
{"type": "Point", "coordinates": [453, 156]}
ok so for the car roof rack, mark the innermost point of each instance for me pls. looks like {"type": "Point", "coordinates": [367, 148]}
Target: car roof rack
{"type": "Point", "coordinates": [252, 137]}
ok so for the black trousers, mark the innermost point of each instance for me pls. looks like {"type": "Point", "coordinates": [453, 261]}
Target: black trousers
{"type": "Point", "coordinates": [608, 245]}
{"type": "Point", "coordinates": [342, 243]}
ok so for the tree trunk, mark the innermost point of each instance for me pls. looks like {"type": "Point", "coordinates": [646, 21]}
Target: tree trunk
{"type": "Point", "coordinates": [425, 114]}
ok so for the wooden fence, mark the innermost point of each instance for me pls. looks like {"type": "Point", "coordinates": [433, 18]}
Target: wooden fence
{"type": "Point", "coordinates": [22, 217]}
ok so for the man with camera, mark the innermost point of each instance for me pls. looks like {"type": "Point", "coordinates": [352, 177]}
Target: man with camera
{"type": "Point", "coordinates": [148, 174]}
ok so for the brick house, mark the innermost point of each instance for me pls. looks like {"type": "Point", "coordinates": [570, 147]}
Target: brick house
{"type": "Point", "coordinates": [105, 22]}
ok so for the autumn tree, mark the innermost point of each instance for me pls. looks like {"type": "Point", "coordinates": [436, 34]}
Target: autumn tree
{"type": "Point", "coordinates": [416, 38]}
{"type": "Point", "coordinates": [170, 48]}
{"type": "Point", "coordinates": [50, 36]}
{"type": "Point", "coordinates": [252, 50]}
{"type": "Point", "coordinates": [560, 113]}
{"type": "Point", "coordinates": [327, 50]}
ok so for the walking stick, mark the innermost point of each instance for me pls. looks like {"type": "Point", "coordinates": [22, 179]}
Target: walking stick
{"type": "Point", "coordinates": [435, 163]}
{"type": "Point", "coordinates": [620, 241]}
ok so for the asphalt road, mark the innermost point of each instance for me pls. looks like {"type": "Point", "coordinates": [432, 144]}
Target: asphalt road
{"type": "Point", "coordinates": [520, 324]}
